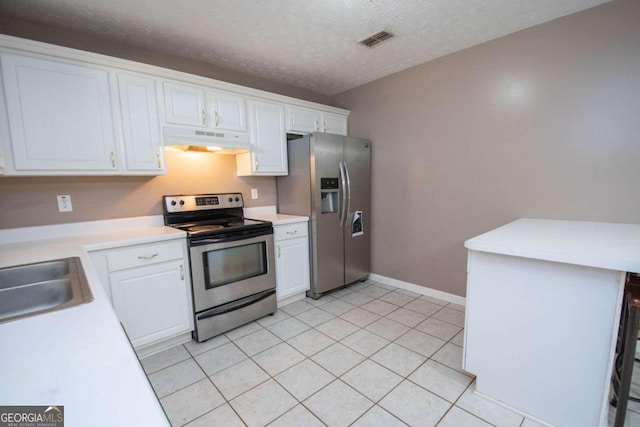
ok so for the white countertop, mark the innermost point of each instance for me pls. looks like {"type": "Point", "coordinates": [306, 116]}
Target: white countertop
{"type": "Point", "coordinates": [78, 357]}
{"type": "Point", "coordinates": [610, 246]}
{"type": "Point", "coordinates": [268, 213]}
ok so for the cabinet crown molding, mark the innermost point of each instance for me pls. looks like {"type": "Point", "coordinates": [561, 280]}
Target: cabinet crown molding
{"type": "Point", "coordinates": [24, 46]}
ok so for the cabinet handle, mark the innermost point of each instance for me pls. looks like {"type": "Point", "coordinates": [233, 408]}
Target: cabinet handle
{"type": "Point", "coordinates": [158, 160]}
{"type": "Point", "coordinates": [317, 125]}
{"type": "Point", "coordinates": [325, 125]}
{"type": "Point", "coordinates": [147, 256]}
{"type": "Point", "coordinates": [182, 272]}
{"type": "Point", "coordinates": [215, 117]}
{"type": "Point", "coordinates": [113, 158]}
{"type": "Point", "coordinates": [203, 116]}
{"type": "Point", "coordinates": [257, 162]}
{"type": "Point", "coordinates": [278, 251]}
{"type": "Point", "coordinates": [292, 233]}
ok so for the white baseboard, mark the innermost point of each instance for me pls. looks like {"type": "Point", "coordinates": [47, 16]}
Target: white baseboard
{"type": "Point", "coordinates": [291, 298]}
{"type": "Point", "coordinates": [456, 299]}
{"type": "Point", "coordinates": [152, 349]}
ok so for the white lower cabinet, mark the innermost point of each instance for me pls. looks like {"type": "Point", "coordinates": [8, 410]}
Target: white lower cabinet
{"type": "Point", "coordinates": [150, 301]}
{"type": "Point", "coordinates": [150, 290]}
{"type": "Point", "coordinates": [292, 259]}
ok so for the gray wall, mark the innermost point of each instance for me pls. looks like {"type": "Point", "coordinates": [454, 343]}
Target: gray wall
{"type": "Point", "coordinates": [28, 201]}
{"type": "Point", "coordinates": [542, 123]}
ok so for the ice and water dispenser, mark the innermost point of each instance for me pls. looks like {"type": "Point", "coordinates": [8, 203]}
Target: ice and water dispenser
{"type": "Point", "coordinates": [329, 195]}
{"type": "Point", "coordinates": [330, 203]}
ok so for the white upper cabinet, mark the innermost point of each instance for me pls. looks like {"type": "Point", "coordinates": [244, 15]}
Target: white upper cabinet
{"type": "Point", "coordinates": [334, 123]}
{"type": "Point", "coordinates": [201, 107]}
{"type": "Point", "coordinates": [307, 120]}
{"type": "Point", "coordinates": [303, 120]}
{"type": "Point", "coordinates": [140, 124]}
{"type": "Point", "coordinates": [268, 155]}
{"type": "Point", "coordinates": [69, 112]}
{"type": "Point", "coordinates": [185, 105]}
{"type": "Point", "coordinates": [60, 116]}
{"type": "Point", "coordinates": [228, 111]}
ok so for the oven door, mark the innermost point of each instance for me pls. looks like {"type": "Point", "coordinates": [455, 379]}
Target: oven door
{"type": "Point", "coordinates": [226, 271]}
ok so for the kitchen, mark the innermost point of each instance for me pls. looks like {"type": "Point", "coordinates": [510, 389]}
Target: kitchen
{"type": "Point", "coordinates": [540, 123]}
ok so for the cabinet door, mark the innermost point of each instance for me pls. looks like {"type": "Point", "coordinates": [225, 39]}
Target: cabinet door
{"type": "Point", "coordinates": [268, 138]}
{"type": "Point", "coordinates": [60, 115]}
{"type": "Point", "coordinates": [141, 126]}
{"type": "Point", "coordinates": [184, 105]}
{"type": "Point", "coordinates": [292, 266]}
{"type": "Point", "coordinates": [228, 111]}
{"type": "Point", "coordinates": [303, 120]}
{"type": "Point", "coordinates": [334, 123]}
{"type": "Point", "coordinates": [151, 302]}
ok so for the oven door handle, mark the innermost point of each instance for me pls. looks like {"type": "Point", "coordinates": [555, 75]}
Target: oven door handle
{"type": "Point", "coordinates": [242, 236]}
{"type": "Point", "coordinates": [236, 305]}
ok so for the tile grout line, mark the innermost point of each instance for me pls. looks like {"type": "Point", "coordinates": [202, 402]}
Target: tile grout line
{"type": "Point", "coordinates": [340, 341]}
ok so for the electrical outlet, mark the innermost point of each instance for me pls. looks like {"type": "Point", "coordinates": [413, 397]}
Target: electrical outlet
{"type": "Point", "coordinates": [64, 203]}
{"type": "Point", "coordinates": [254, 193]}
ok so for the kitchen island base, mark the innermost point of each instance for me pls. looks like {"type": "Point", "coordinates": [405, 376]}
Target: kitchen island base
{"type": "Point", "coordinates": [540, 336]}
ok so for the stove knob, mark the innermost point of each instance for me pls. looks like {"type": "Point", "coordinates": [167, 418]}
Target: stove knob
{"type": "Point", "coordinates": [237, 199]}
{"type": "Point", "coordinates": [230, 199]}
{"type": "Point", "coordinates": [181, 202]}
{"type": "Point", "coordinates": [173, 203]}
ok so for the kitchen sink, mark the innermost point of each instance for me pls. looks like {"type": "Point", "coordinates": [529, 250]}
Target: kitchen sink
{"type": "Point", "coordinates": [31, 289]}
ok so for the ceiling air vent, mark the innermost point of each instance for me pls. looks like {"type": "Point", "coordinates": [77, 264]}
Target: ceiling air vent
{"type": "Point", "coordinates": [375, 38]}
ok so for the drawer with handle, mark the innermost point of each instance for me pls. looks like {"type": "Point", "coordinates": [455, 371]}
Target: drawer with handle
{"type": "Point", "coordinates": [141, 255]}
{"type": "Point", "coordinates": [290, 231]}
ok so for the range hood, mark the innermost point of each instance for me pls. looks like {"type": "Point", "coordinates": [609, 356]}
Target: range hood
{"type": "Point", "coordinates": [223, 142]}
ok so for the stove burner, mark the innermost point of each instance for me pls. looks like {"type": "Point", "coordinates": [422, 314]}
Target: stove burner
{"type": "Point", "coordinates": [203, 228]}
{"type": "Point", "coordinates": [203, 220]}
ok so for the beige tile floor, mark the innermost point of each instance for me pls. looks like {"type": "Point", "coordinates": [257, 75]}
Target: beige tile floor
{"type": "Point", "coordinates": [366, 355]}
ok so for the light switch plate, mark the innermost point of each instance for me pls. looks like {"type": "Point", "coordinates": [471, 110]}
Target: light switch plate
{"type": "Point", "coordinates": [254, 193]}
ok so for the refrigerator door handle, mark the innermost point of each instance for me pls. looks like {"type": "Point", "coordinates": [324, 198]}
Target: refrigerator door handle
{"type": "Point", "coordinates": [348, 209]}
{"type": "Point", "coordinates": [343, 178]}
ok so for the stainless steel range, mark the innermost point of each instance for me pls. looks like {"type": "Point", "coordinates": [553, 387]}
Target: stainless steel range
{"type": "Point", "coordinates": [232, 264]}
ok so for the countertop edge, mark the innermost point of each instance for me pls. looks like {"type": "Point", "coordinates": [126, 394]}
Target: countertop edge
{"type": "Point", "coordinates": [104, 356]}
{"type": "Point", "coordinates": [611, 246]}
{"type": "Point", "coordinates": [280, 219]}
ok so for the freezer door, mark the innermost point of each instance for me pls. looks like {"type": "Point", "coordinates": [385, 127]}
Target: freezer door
{"type": "Point", "coordinates": [357, 236]}
{"type": "Point", "coordinates": [328, 248]}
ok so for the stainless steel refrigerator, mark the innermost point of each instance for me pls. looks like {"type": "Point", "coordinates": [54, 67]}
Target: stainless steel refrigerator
{"type": "Point", "coordinates": [330, 182]}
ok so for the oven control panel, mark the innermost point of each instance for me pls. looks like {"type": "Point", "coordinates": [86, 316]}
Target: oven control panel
{"type": "Point", "coordinates": [202, 202]}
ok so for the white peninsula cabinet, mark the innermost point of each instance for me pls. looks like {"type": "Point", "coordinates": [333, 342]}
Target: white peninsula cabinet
{"type": "Point", "coordinates": [268, 140]}
{"type": "Point", "coordinates": [542, 314]}
{"type": "Point", "coordinates": [150, 290]}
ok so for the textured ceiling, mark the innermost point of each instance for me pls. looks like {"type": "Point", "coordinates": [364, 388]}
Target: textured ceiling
{"type": "Point", "coordinates": [307, 43]}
